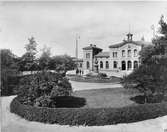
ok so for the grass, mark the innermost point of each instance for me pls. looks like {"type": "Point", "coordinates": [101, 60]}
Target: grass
{"type": "Point", "coordinates": [100, 98]}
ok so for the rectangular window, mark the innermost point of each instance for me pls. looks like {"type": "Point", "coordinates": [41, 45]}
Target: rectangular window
{"type": "Point", "coordinates": [123, 53]}
{"type": "Point", "coordinates": [114, 54]}
{"type": "Point", "coordinates": [115, 64]}
{"type": "Point", "coordinates": [87, 55]}
{"type": "Point", "coordinates": [129, 53]}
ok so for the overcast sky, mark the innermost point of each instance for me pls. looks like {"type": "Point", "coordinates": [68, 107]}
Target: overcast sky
{"type": "Point", "coordinates": [56, 24]}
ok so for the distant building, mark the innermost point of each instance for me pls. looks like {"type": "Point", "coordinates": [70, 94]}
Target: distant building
{"type": "Point", "coordinates": [121, 59]}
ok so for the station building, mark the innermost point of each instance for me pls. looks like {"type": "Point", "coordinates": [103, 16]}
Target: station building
{"type": "Point", "coordinates": [121, 59]}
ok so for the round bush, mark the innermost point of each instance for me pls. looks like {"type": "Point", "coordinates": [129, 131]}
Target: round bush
{"type": "Point", "coordinates": [88, 116]}
{"type": "Point", "coordinates": [43, 88]}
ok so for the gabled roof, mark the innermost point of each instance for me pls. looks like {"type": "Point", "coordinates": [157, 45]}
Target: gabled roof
{"type": "Point", "coordinates": [91, 46]}
{"type": "Point", "coordinates": [103, 54]}
{"type": "Point", "coordinates": [140, 43]}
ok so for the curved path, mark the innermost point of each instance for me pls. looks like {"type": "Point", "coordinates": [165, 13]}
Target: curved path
{"type": "Point", "coordinates": [86, 85]}
{"type": "Point", "coordinates": [13, 123]}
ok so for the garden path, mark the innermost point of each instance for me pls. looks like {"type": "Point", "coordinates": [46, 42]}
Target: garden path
{"type": "Point", "coordinates": [77, 86]}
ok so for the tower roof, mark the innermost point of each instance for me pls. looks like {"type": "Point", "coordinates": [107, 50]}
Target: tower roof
{"type": "Point", "coordinates": [129, 35]}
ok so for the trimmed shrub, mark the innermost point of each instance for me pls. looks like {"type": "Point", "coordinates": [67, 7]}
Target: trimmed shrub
{"type": "Point", "coordinates": [89, 116]}
{"type": "Point", "coordinates": [98, 75]}
{"type": "Point", "coordinates": [102, 75]}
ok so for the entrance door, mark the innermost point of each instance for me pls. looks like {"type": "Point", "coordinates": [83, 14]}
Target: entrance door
{"type": "Point", "coordinates": [123, 65]}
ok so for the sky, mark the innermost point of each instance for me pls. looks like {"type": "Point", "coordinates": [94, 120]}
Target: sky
{"type": "Point", "coordinates": [56, 24]}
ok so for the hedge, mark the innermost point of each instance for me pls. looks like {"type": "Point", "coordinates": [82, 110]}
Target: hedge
{"type": "Point", "coordinates": [94, 79]}
{"type": "Point", "coordinates": [89, 116]}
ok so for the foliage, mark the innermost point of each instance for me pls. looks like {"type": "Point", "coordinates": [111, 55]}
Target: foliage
{"type": "Point", "coordinates": [9, 71]}
{"type": "Point", "coordinates": [27, 61]}
{"type": "Point", "coordinates": [163, 28]}
{"type": "Point", "coordinates": [98, 75]}
{"type": "Point", "coordinates": [62, 63]}
{"type": "Point", "coordinates": [102, 75]}
{"type": "Point", "coordinates": [42, 88]}
{"type": "Point", "coordinates": [89, 116]}
{"type": "Point", "coordinates": [151, 77]}
{"type": "Point", "coordinates": [45, 58]}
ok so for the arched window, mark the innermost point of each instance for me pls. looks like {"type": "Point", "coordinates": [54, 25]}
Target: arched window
{"type": "Point", "coordinates": [135, 52]}
{"type": "Point", "coordinates": [129, 65]}
{"type": "Point", "coordinates": [123, 65]}
{"type": "Point", "coordinates": [101, 64]}
{"type": "Point", "coordinates": [123, 53]}
{"type": "Point", "coordinates": [135, 64]}
{"type": "Point", "coordinates": [115, 64]}
{"type": "Point", "coordinates": [107, 65]}
{"type": "Point", "coordinates": [87, 64]}
{"type": "Point", "coordinates": [129, 53]}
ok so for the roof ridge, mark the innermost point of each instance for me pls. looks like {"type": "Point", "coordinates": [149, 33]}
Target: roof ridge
{"type": "Point", "coordinates": [125, 42]}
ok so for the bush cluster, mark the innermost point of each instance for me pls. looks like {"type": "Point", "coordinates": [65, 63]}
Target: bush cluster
{"type": "Point", "coordinates": [43, 88]}
{"type": "Point", "coordinates": [97, 75]}
{"type": "Point", "coordinates": [89, 116]}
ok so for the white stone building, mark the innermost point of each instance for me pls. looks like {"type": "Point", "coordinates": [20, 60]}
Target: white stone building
{"type": "Point", "coordinates": [121, 59]}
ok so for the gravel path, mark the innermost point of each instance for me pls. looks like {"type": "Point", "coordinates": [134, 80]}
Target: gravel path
{"type": "Point", "coordinates": [77, 86]}
{"type": "Point", "coordinates": [13, 123]}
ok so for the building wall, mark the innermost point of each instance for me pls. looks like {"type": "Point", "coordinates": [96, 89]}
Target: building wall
{"type": "Point", "coordinates": [85, 59]}
{"type": "Point", "coordinates": [119, 59]}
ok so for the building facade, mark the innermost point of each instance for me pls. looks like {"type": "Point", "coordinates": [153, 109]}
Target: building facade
{"type": "Point", "coordinates": [121, 59]}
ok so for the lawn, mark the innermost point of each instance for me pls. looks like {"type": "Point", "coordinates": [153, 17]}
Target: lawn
{"type": "Point", "coordinates": [115, 97]}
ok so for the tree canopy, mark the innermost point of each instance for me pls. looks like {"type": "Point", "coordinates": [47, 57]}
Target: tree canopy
{"type": "Point", "coordinates": [151, 76]}
{"type": "Point", "coordinates": [9, 70]}
{"type": "Point", "coordinates": [27, 61]}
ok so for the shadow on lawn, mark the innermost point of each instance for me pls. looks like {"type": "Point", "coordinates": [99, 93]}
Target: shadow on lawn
{"type": "Point", "coordinates": [140, 99]}
{"type": "Point", "coordinates": [70, 102]}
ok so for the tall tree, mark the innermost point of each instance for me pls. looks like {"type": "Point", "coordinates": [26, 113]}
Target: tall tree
{"type": "Point", "coordinates": [28, 62]}
{"type": "Point", "coordinates": [151, 77]}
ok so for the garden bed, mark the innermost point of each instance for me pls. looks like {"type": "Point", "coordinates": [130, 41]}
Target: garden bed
{"type": "Point", "coordinates": [89, 116]}
{"type": "Point", "coordinates": [94, 79]}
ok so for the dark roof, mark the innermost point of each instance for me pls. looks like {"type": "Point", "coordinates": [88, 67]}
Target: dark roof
{"type": "Point", "coordinates": [140, 43]}
{"type": "Point", "coordinates": [103, 54]}
{"type": "Point", "coordinates": [91, 46]}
